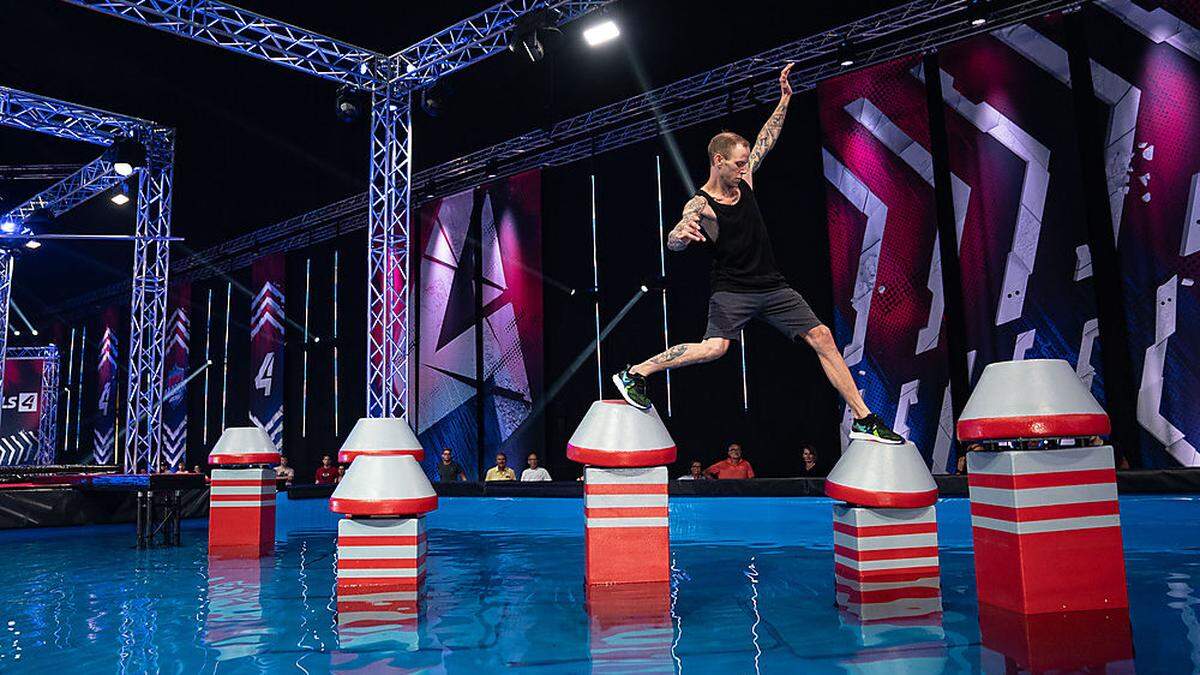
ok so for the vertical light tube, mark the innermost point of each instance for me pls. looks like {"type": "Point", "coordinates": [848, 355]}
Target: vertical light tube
{"type": "Point", "coordinates": [596, 286]}
{"type": "Point", "coordinates": [745, 389]}
{"type": "Point", "coordinates": [70, 376]}
{"type": "Point", "coordinates": [79, 383]}
{"type": "Point", "coordinates": [304, 376]}
{"type": "Point", "coordinates": [335, 342]}
{"type": "Point", "coordinates": [225, 353]}
{"type": "Point", "coordinates": [207, 356]}
{"type": "Point", "coordinates": [662, 269]}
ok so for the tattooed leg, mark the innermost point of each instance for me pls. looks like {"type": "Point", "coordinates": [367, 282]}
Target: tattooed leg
{"type": "Point", "coordinates": [686, 354]}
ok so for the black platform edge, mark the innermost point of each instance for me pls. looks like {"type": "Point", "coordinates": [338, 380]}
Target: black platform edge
{"type": "Point", "coordinates": [1167, 481]}
{"type": "Point", "coordinates": [66, 506]}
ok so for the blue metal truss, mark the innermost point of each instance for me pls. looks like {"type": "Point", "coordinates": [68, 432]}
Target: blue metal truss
{"type": "Point", "coordinates": [239, 30]}
{"type": "Point", "coordinates": [48, 399]}
{"type": "Point", "coordinates": [44, 115]}
{"type": "Point", "coordinates": [92, 179]}
{"type": "Point", "coordinates": [147, 323]}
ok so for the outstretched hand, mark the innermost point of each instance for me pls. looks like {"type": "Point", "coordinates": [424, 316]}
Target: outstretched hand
{"type": "Point", "coordinates": [785, 87]}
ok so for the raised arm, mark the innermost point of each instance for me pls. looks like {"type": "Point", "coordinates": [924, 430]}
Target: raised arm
{"type": "Point", "coordinates": [770, 131]}
{"type": "Point", "coordinates": [687, 229]}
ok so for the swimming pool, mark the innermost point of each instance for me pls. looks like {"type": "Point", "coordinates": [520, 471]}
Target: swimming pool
{"type": "Point", "coordinates": [752, 592]}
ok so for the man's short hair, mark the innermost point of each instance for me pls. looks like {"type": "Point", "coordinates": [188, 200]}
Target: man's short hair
{"type": "Point", "coordinates": [501, 454]}
{"type": "Point", "coordinates": [723, 144]}
{"type": "Point", "coordinates": [734, 445]}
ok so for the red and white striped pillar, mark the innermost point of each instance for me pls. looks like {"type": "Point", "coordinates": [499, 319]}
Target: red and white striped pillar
{"type": "Point", "coordinates": [381, 542]}
{"type": "Point", "coordinates": [885, 546]}
{"type": "Point", "coordinates": [241, 515]}
{"type": "Point", "coordinates": [625, 493]}
{"type": "Point", "coordinates": [1046, 522]}
{"type": "Point", "coordinates": [886, 562]}
{"type": "Point", "coordinates": [384, 554]}
{"type": "Point", "coordinates": [1094, 641]}
{"type": "Point", "coordinates": [626, 531]}
{"type": "Point", "coordinates": [1047, 530]}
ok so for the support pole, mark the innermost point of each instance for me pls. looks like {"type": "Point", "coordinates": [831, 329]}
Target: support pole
{"type": "Point", "coordinates": [148, 307]}
{"type": "Point", "coordinates": [387, 255]}
{"type": "Point", "coordinates": [6, 272]}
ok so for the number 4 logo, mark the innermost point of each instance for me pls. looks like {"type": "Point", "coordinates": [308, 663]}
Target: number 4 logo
{"type": "Point", "coordinates": [265, 376]}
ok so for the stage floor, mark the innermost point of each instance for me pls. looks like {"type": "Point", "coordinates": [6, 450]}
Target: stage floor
{"type": "Point", "coordinates": [752, 592]}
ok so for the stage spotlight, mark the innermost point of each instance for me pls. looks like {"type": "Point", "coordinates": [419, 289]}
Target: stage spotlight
{"type": "Point", "coordinates": [492, 169]}
{"type": "Point", "coordinates": [430, 190]}
{"type": "Point", "coordinates": [8, 227]}
{"type": "Point", "coordinates": [33, 244]}
{"type": "Point", "coordinates": [121, 198]}
{"type": "Point", "coordinates": [977, 12]}
{"type": "Point", "coordinates": [35, 332]}
{"type": "Point", "coordinates": [348, 103]}
{"type": "Point", "coordinates": [524, 36]}
{"type": "Point", "coordinates": [657, 282]}
{"type": "Point", "coordinates": [16, 331]}
{"type": "Point", "coordinates": [845, 53]}
{"type": "Point", "coordinates": [435, 99]}
{"type": "Point", "coordinates": [602, 32]}
{"type": "Point", "coordinates": [130, 155]}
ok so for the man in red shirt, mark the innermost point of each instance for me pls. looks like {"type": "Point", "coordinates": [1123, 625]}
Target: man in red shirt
{"type": "Point", "coordinates": [327, 472]}
{"type": "Point", "coordinates": [733, 467]}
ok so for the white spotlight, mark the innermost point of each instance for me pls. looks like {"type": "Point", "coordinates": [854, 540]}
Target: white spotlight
{"type": "Point", "coordinates": [8, 227]}
{"type": "Point", "coordinates": [33, 244]}
{"type": "Point", "coordinates": [35, 333]}
{"type": "Point", "coordinates": [120, 199]}
{"type": "Point", "coordinates": [602, 32]}
{"type": "Point", "coordinates": [123, 168]}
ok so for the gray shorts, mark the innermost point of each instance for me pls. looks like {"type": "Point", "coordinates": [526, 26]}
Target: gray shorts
{"type": "Point", "coordinates": [785, 309]}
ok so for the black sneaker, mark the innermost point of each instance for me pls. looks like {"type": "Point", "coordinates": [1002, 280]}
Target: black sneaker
{"type": "Point", "coordinates": [871, 428]}
{"type": "Point", "coordinates": [633, 389]}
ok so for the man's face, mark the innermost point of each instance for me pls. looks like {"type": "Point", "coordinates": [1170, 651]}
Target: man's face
{"type": "Point", "coordinates": [283, 462]}
{"type": "Point", "coordinates": [326, 460]}
{"type": "Point", "coordinates": [808, 456]}
{"type": "Point", "coordinates": [446, 456]}
{"type": "Point", "coordinates": [501, 461]}
{"type": "Point", "coordinates": [532, 461]}
{"type": "Point", "coordinates": [696, 468]}
{"type": "Point", "coordinates": [735, 453]}
{"type": "Point", "coordinates": [733, 168]}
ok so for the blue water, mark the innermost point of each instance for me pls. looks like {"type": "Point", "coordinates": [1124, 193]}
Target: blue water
{"type": "Point", "coordinates": [752, 593]}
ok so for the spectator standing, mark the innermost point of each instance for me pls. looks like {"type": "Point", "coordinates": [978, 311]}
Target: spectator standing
{"type": "Point", "coordinates": [732, 467]}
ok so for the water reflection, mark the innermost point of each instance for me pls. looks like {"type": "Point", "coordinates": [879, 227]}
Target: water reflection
{"type": "Point", "coordinates": [630, 628]}
{"type": "Point", "coordinates": [235, 625]}
{"type": "Point", "coordinates": [1099, 640]}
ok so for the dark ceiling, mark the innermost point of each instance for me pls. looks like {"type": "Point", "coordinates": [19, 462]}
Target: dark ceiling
{"type": "Point", "coordinates": [258, 143]}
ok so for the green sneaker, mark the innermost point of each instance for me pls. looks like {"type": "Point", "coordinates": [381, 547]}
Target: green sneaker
{"type": "Point", "coordinates": [633, 389]}
{"type": "Point", "coordinates": [871, 428]}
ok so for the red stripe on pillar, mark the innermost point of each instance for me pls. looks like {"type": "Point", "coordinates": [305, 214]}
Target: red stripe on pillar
{"type": "Point", "coordinates": [887, 554]}
{"type": "Point", "coordinates": [379, 563]}
{"type": "Point", "coordinates": [626, 512]}
{"type": "Point", "coordinates": [885, 530]}
{"type": "Point", "coordinates": [374, 540]}
{"type": "Point", "coordinates": [625, 489]}
{"type": "Point", "coordinates": [1042, 480]}
{"type": "Point", "coordinates": [1049, 512]}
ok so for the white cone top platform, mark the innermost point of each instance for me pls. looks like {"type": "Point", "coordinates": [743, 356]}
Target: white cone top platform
{"type": "Point", "coordinates": [616, 434]}
{"type": "Point", "coordinates": [384, 485]}
{"type": "Point", "coordinates": [1037, 398]}
{"type": "Point", "coordinates": [243, 446]}
{"type": "Point", "coordinates": [380, 436]}
{"type": "Point", "coordinates": [879, 475]}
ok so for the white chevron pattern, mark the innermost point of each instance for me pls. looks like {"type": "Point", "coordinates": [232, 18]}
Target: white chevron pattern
{"type": "Point", "coordinates": [18, 449]}
{"type": "Point", "coordinates": [267, 308]}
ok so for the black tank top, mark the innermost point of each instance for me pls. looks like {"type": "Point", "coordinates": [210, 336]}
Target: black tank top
{"type": "Point", "coordinates": [742, 256]}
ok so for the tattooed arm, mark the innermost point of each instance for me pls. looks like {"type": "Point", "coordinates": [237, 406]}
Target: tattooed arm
{"type": "Point", "coordinates": [770, 131]}
{"type": "Point", "coordinates": [687, 229]}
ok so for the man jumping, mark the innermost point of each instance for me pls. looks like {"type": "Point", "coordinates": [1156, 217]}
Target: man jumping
{"type": "Point", "coordinates": [745, 281]}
